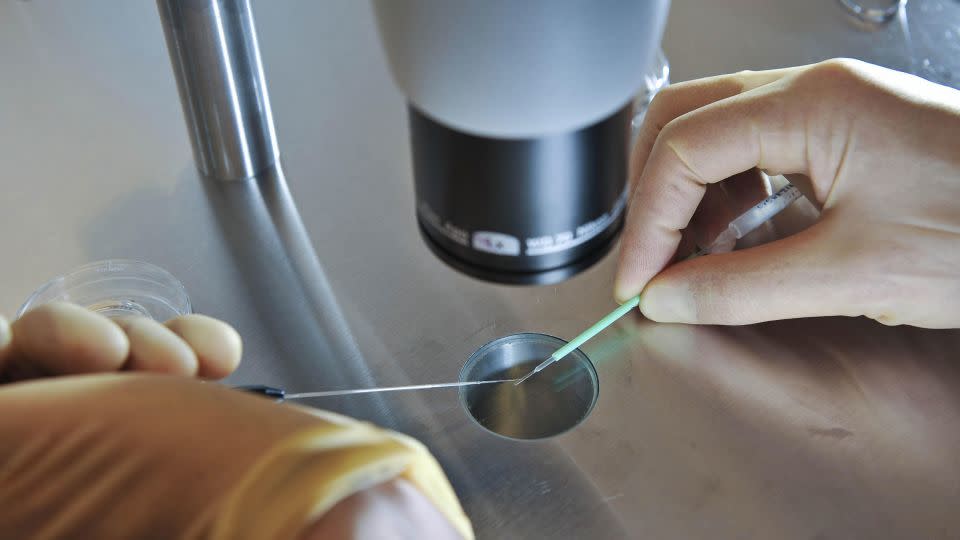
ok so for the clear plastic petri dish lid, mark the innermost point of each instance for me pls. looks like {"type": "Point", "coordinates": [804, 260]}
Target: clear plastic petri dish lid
{"type": "Point", "coordinates": [874, 11]}
{"type": "Point", "coordinates": [547, 404]}
{"type": "Point", "coordinates": [116, 288]}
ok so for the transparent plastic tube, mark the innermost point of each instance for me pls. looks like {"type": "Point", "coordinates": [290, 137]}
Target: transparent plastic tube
{"type": "Point", "coordinates": [753, 218]}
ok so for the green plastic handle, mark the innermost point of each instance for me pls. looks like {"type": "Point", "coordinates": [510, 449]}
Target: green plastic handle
{"type": "Point", "coordinates": [596, 328]}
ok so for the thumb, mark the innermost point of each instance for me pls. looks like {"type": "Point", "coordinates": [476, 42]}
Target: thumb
{"type": "Point", "coordinates": [798, 276]}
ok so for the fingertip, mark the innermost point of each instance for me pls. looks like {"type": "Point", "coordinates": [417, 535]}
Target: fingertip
{"type": "Point", "coordinates": [626, 281]}
{"type": "Point", "coordinates": [622, 289]}
{"type": "Point", "coordinates": [668, 303]}
{"type": "Point", "coordinates": [62, 339]}
{"type": "Point", "coordinates": [157, 349]}
{"type": "Point", "coordinates": [789, 278]}
{"type": "Point", "coordinates": [631, 277]}
{"type": "Point", "coordinates": [217, 345]}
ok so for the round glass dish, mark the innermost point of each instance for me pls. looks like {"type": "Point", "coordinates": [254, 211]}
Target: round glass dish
{"type": "Point", "coordinates": [116, 288]}
{"type": "Point", "coordinates": [547, 404]}
{"type": "Point", "coordinates": [873, 11]}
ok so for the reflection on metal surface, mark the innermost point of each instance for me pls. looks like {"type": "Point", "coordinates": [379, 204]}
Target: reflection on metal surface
{"type": "Point", "coordinates": [288, 287]}
{"type": "Point", "coordinates": [549, 404]}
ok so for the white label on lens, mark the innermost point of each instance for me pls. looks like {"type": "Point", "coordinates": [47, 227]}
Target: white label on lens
{"type": "Point", "coordinates": [497, 243]}
{"type": "Point", "coordinates": [505, 244]}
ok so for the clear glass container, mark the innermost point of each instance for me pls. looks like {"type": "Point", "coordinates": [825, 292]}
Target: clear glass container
{"type": "Point", "coordinates": [549, 403]}
{"type": "Point", "coordinates": [873, 11]}
{"type": "Point", "coordinates": [116, 288]}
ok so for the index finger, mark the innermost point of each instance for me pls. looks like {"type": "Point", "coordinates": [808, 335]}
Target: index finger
{"type": "Point", "coordinates": [757, 128]}
{"type": "Point", "coordinates": [64, 339]}
{"type": "Point", "coordinates": [680, 98]}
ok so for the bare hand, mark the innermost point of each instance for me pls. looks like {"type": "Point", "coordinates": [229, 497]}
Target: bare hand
{"type": "Point", "coordinates": [881, 153]}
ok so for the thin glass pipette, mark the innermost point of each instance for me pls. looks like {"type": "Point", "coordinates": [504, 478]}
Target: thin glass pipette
{"type": "Point", "coordinates": [281, 395]}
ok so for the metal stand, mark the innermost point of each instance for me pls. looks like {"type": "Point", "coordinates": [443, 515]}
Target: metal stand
{"type": "Point", "coordinates": [216, 61]}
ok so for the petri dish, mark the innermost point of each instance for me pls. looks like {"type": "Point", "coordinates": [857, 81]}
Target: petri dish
{"type": "Point", "coordinates": [550, 403]}
{"type": "Point", "coordinates": [873, 11]}
{"type": "Point", "coordinates": [116, 288]}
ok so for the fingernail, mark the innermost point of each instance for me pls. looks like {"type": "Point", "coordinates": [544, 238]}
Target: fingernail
{"type": "Point", "coordinates": [668, 303]}
{"type": "Point", "coordinates": [624, 286]}
{"type": "Point", "coordinates": [618, 293]}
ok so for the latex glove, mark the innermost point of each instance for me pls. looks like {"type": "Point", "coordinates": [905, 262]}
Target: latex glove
{"type": "Point", "coordinates": [65, 339]}
{"type": "Point", "coordinates": [880, 151]}
{"type": "Point", "coordinates": [145, 456]}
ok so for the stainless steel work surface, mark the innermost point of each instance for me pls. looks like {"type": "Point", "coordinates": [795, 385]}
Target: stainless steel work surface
{"type": "Point", "coordinates": [835, 428]}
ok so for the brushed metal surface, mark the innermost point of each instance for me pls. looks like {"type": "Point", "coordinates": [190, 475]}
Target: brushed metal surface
{"type": "Point", "coordinates": [829, 428]}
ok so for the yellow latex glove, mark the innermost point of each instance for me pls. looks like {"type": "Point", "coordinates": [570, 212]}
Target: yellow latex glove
{"type": "Point", "coordinates": [128, 455]}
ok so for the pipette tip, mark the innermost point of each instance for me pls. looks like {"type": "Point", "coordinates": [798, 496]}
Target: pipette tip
{"type": "Point", "coordinates": [535, 370]}
{"type": "Point", "coordinates": [525, 377]}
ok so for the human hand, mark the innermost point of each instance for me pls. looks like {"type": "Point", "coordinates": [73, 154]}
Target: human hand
{"type": "Point", "coordinates": [877, 150]}
{"type": "Point", "coordinates": [173, 457]}
{"type": "Point", "coordinates": [66, 339]}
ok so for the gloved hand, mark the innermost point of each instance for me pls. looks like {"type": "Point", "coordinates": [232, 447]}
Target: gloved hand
{"type": "Point", "coordinates": [126, 455]}
{"type": "Point", "coordinates": [878, 150]}
{"type": "Point", "coordinates": [65, 339]}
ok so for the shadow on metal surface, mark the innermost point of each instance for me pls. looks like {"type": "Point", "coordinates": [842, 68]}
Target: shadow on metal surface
{"type": "Point", "coordinates": [287, 286]}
